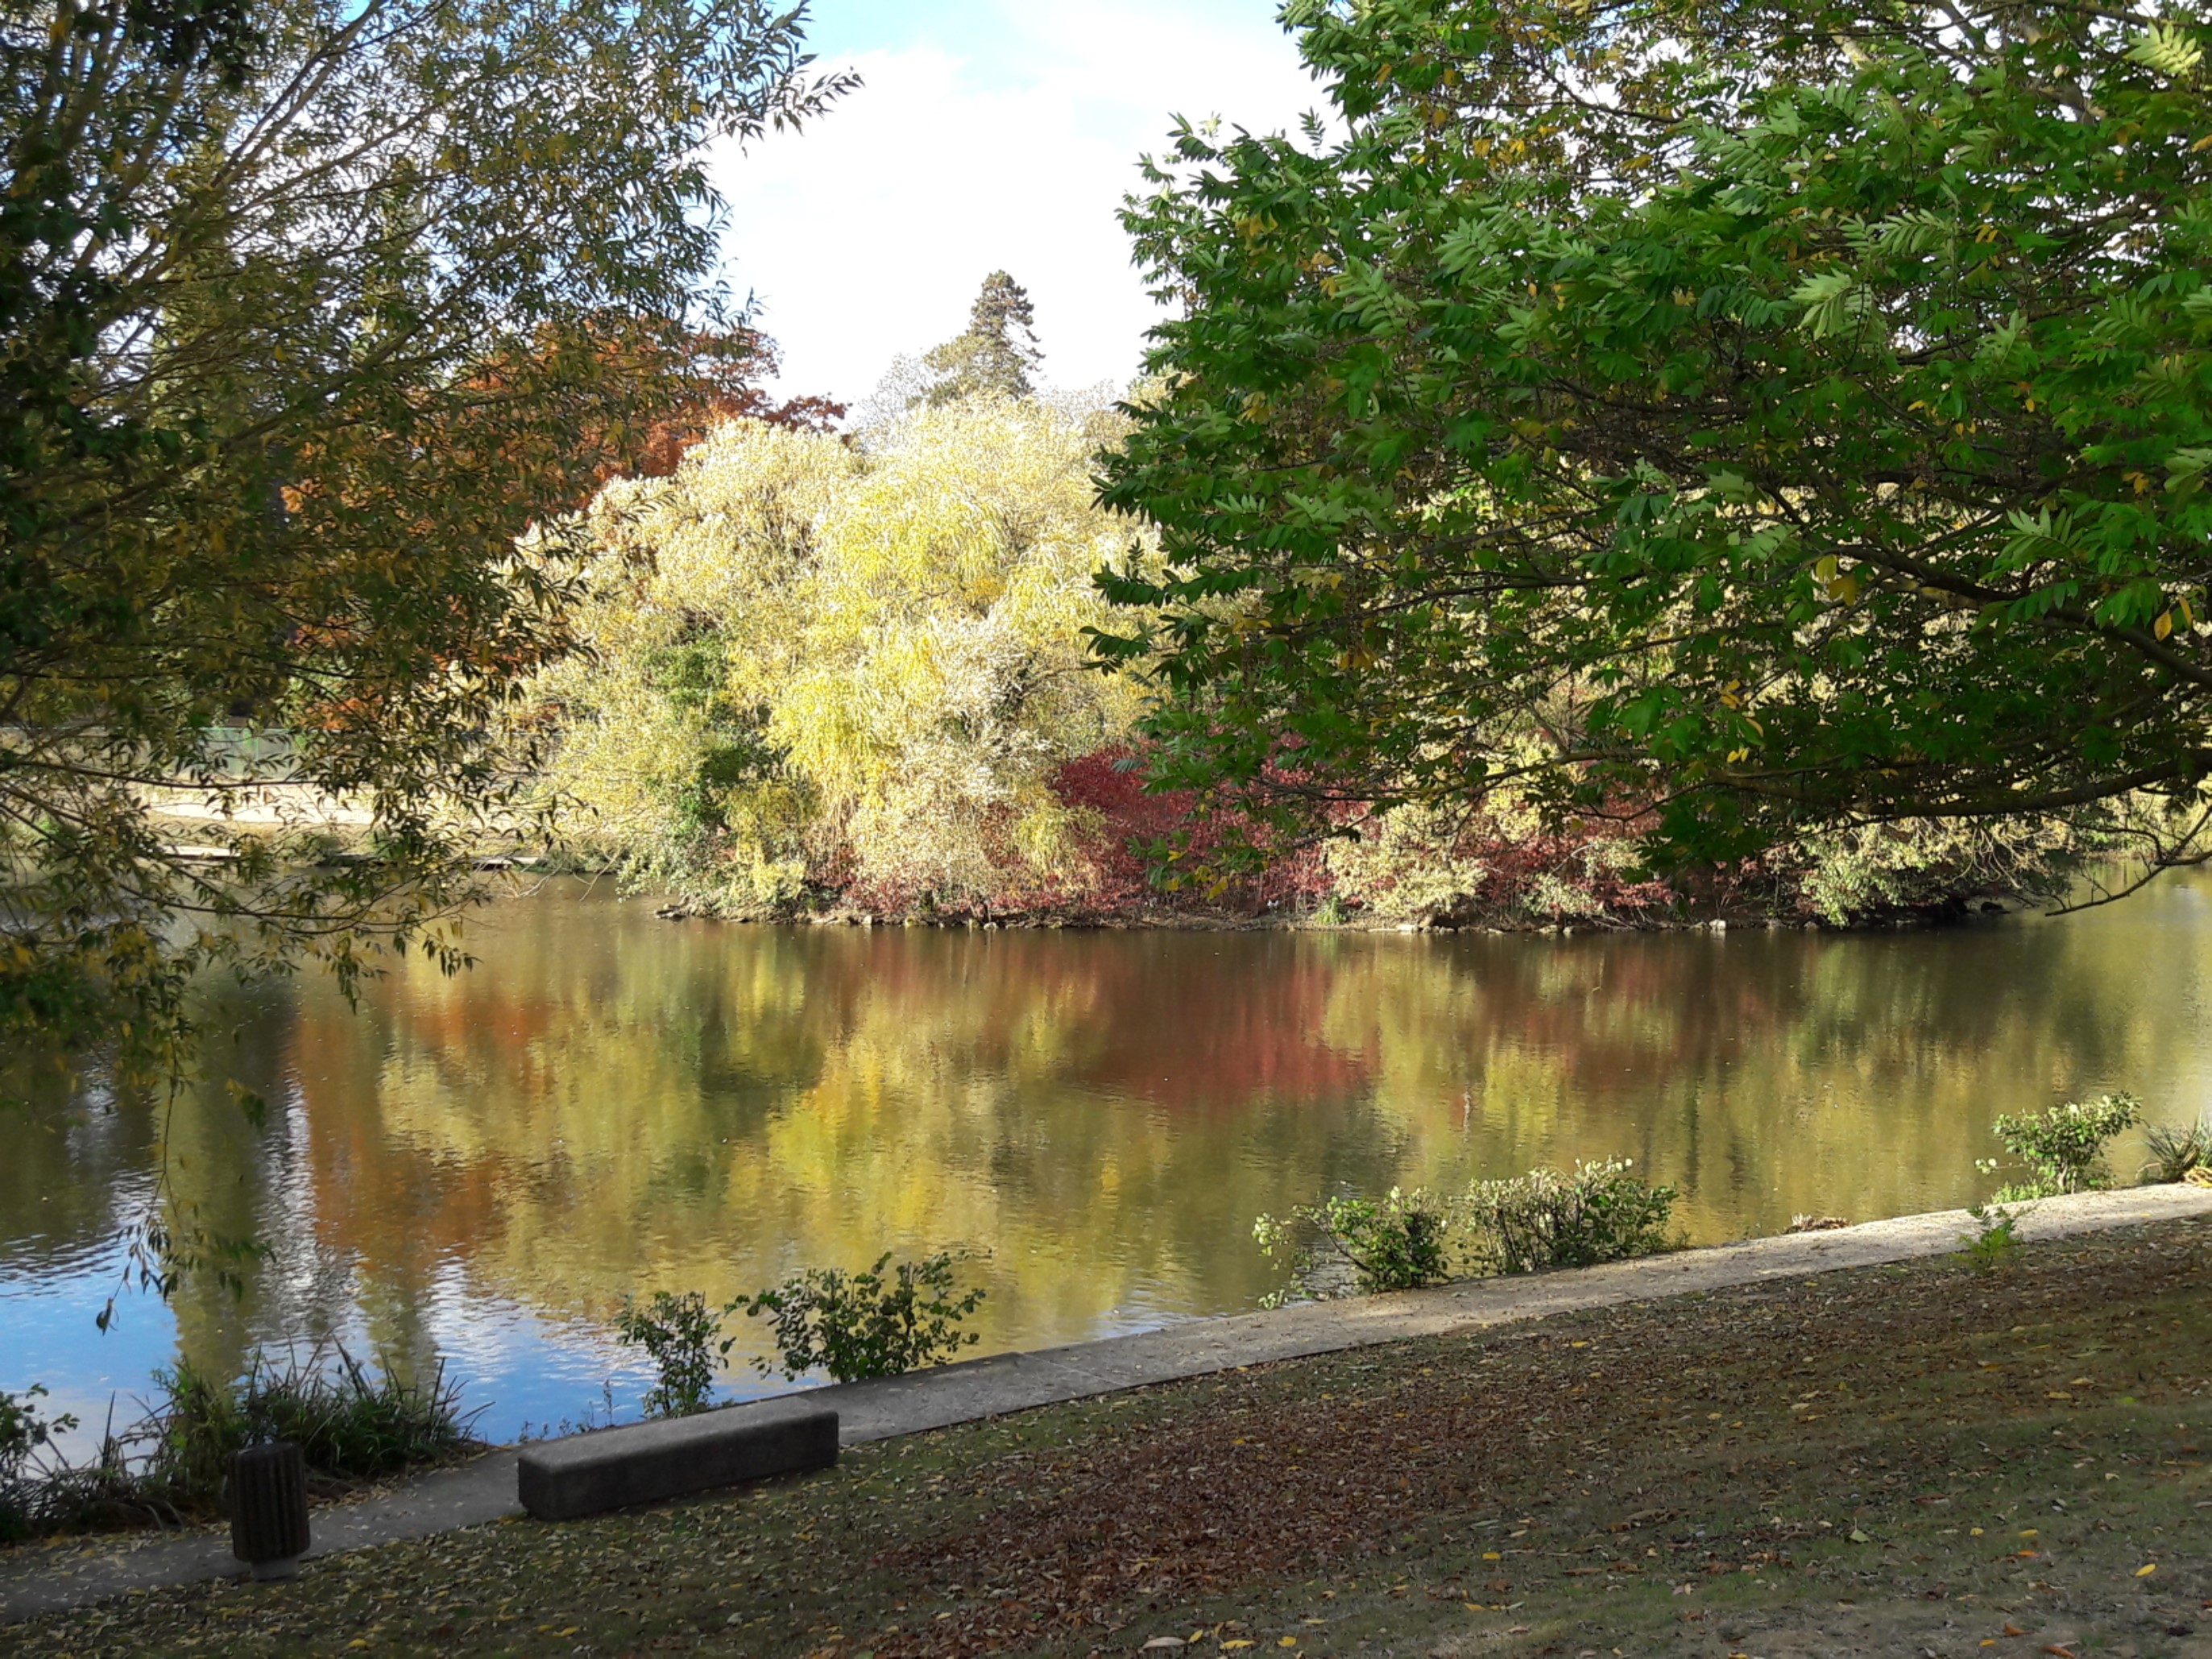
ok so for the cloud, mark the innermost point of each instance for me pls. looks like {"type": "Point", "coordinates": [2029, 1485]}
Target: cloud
{"type": "Point", "coordinates": [1005, 147]}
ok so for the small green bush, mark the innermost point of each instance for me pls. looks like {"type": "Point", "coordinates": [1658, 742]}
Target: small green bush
{"type": "Point", "coordinates": [1399, 1242]}
{"type": "Point", "coordinates": [25, 1429]}
{"type": "Point", "coordinates": [676, 1332]}
{"type": "Point", "coordinates": [2175, 1152]}
{"type": "Point", "coordinates": [1996, 1239]}
{"type": "Point", "coordinates": [1541, 1220]}
{"type": "Point", "coordinates": [2064, 1145]}
{"type": "Point", "coordinates": [25, 1432]}
{"type": "Point", "coordinates": [1545, 1219]}
{"type": "Point", "coordinates": [864, 1324]}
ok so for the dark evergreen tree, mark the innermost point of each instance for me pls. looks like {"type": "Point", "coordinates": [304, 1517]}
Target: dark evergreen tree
{"type": "Point", "coordinates": [1000, 351]}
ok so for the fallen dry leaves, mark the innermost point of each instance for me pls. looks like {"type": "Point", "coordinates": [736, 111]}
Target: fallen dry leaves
{"type": "Point", "coordinates": [1871, 1445]}
{"type": "Point", "coordinates": [1261, 1485]}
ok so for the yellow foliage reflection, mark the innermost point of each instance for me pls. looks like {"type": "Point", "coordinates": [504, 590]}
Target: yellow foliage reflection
{"type": "Point", "coordinates": [612, 1104]}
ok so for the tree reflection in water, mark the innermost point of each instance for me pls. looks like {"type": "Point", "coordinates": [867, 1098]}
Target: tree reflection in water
{"type": "Point", "coordinates": [613, 1104]}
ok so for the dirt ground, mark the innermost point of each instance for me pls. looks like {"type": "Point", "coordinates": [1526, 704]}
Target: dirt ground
{"type": "Point", "coordinates": [1936, 1459]}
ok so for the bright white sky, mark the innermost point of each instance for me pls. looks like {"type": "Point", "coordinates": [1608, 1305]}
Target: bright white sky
{"type": "Point", "coordinates": [991, 135]}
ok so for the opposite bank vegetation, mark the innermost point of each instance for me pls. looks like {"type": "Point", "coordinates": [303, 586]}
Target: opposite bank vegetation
{"type": "Point", "coordinates": [852, 677]}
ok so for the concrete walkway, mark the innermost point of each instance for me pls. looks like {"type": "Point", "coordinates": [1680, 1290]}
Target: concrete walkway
{"type": "Point", "coordinates": [36, 1579]}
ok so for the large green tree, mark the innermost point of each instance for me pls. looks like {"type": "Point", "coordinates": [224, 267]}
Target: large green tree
{"type": "Point", "coordinates": [307, 309]}
{"type": "Point", "coordinates": [1782, 412]}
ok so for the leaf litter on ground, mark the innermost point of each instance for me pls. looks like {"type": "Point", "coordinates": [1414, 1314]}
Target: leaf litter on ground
{"type": "Point", "coordinates": [1845, 1464]}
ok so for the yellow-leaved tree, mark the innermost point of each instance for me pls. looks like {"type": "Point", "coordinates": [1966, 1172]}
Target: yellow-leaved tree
{"type": "Point", "coordinates": [815, 668]}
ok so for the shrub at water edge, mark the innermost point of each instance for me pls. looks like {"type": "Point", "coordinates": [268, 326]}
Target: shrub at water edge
{"type": "Point", "coordinates": [349, 1425]}
{"type": "Point", "coordinates": [2064, 1145]}
{"type": "Point", "coordinates": [674, 1330]}
{"type": "Point", "coordinates": [2182, 1154]}
{"type": "Point", "coordinates": [25, 1432]}
{"type": "Point", "coordinates": [1546, 1220]}
{"type": "Point", "coordinates": [864, 1324]}
{"type": "Point", "coordinates": [1399, 1242]}
{"type": "Point", "coordinates": [1405, 1241]}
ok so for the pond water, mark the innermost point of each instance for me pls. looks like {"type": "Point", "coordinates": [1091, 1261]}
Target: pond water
{"type": "Point", "coordinates": [481, 1167]}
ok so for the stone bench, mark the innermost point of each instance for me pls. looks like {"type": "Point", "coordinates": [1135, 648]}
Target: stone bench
{"type": "Point", "coordinates": [589, 1473]}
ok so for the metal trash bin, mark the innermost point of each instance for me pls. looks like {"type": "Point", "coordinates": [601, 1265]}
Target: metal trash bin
{"type": "Point", "coordinates": [269, 1508]}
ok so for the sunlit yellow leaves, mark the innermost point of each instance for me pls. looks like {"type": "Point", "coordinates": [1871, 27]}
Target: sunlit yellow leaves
{"type": "Point", "coordinates": [2167, 49]}
{"type": "Point", "coordinates": [807, 650]}
{"type": "Point", "coordinates": [1840, 584]}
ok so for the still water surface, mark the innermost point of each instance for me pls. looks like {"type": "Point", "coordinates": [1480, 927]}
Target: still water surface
{"type": "Point", "coordinates": [481, 1167]}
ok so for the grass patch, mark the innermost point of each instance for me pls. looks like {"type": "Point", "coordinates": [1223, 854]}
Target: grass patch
{"type": "Point", "coordinates": [1882, 1462]}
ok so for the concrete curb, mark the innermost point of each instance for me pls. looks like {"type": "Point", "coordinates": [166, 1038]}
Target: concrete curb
{"type": "Point", "coordinates": [588, 1474]}
{"type": "Point", "coordinates": [35, 1579]}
